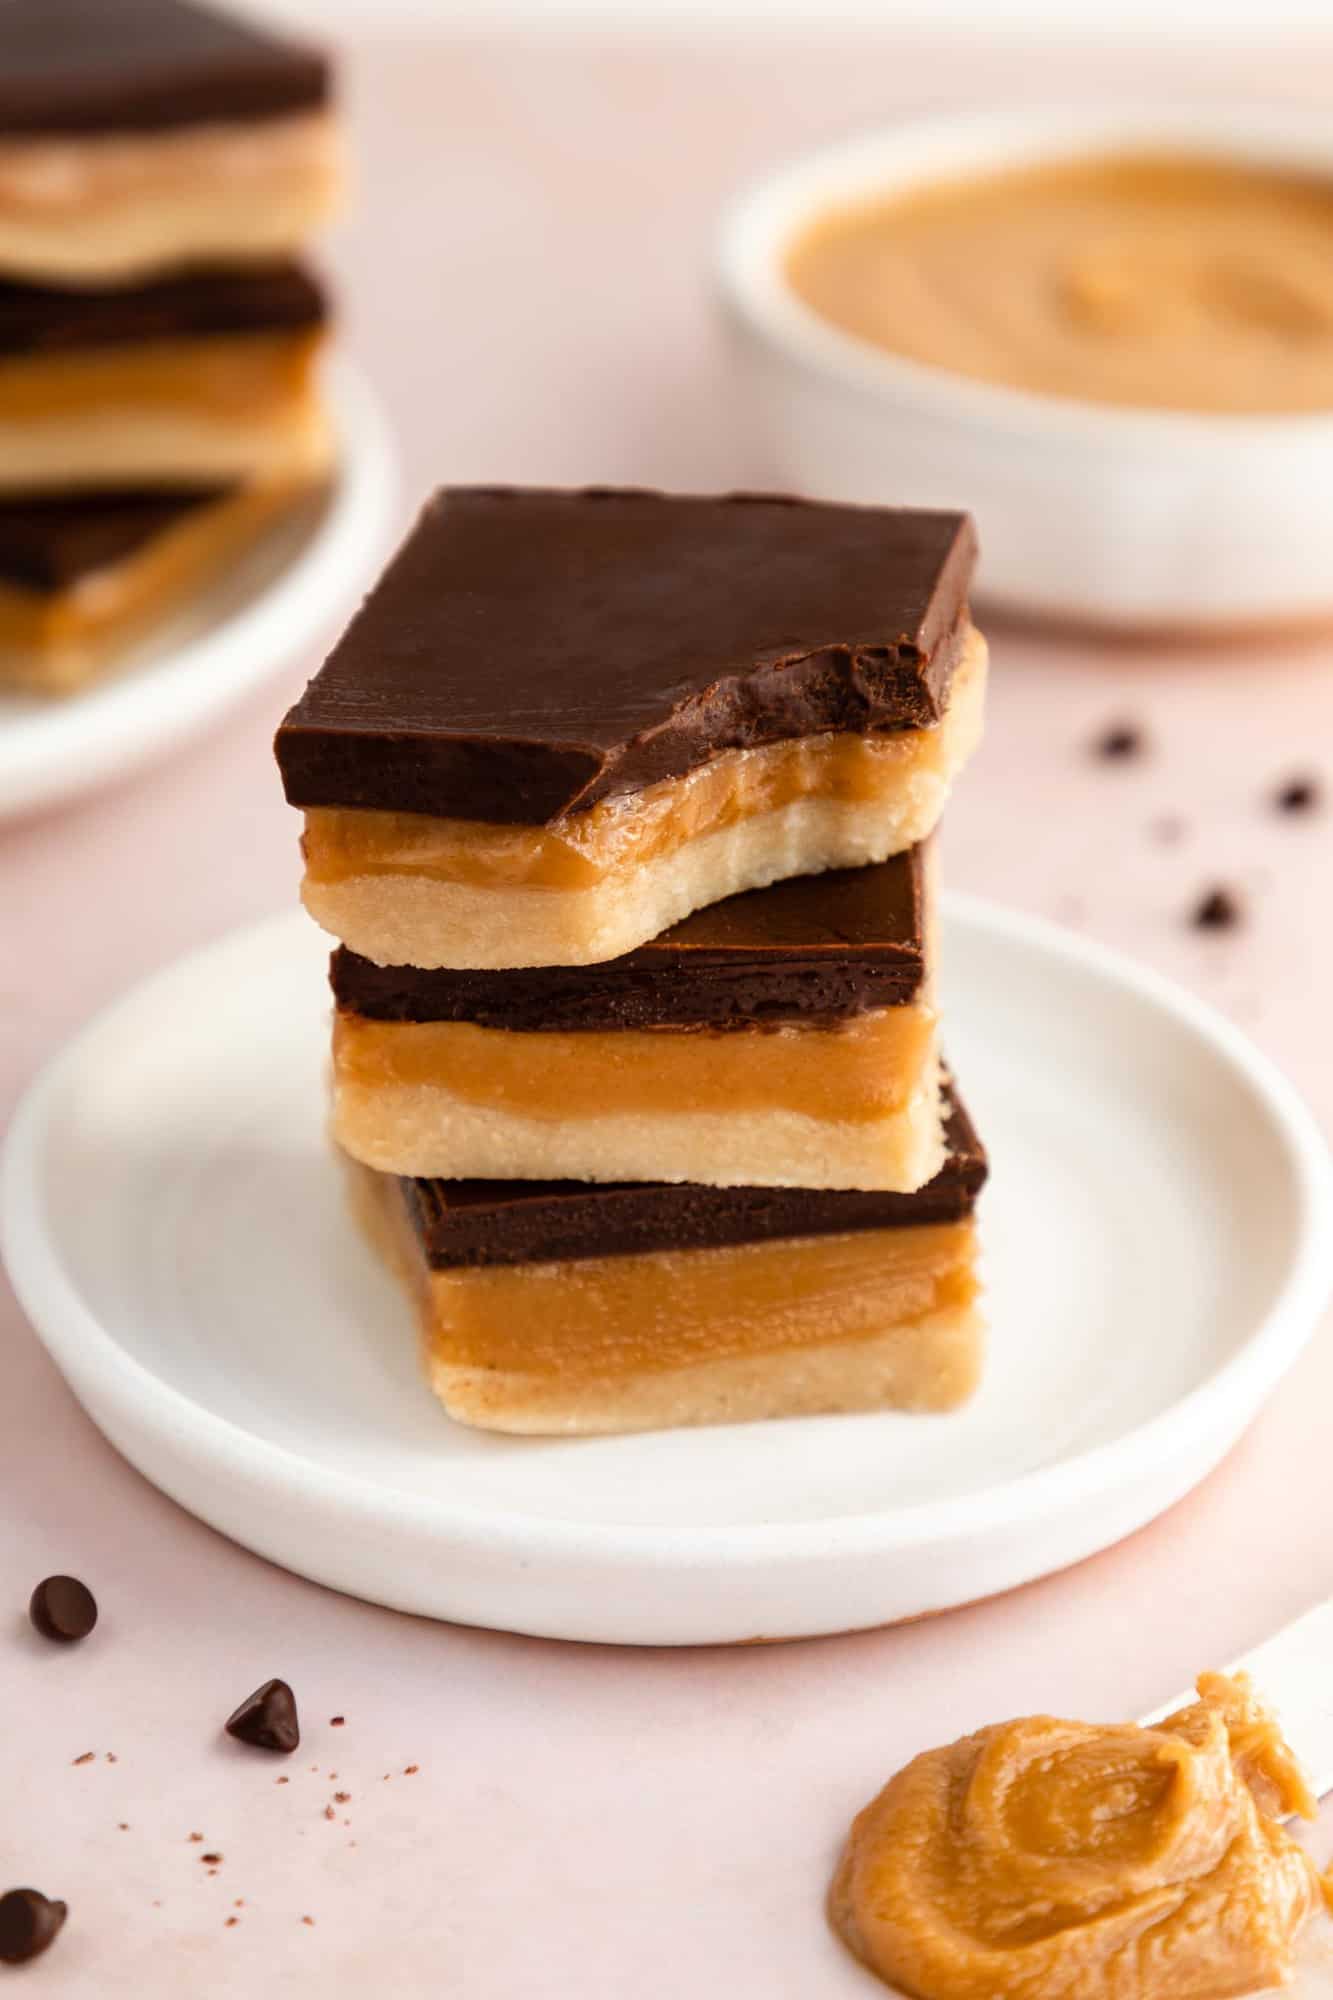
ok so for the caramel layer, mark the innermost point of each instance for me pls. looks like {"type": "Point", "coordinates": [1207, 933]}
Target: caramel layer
{"type": "Point", "coordinates": [857, 1070]}
{"type": "Point", "coordinates": [55, 643]}
{"type": "Point", "coordinates": [220, 377]}
{"type": "Point", "coordinates": [624, 833]}
{"type": "Point", "coordinates": [628, 1315]}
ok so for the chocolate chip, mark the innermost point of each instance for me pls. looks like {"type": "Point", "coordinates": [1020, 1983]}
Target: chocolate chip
{"type": "Point", "coordinates": [28, 1924]}
{"type": "Point", "coordinates": [62, 1608]}
{"type": "Point", "coordinates": [267, 1718]}
{"type": "Point", "coordinates": [1219, 910]}
{"type": "Point", "coordinates": [337, 1721]}
{"type": "Point", "coordinates": [1299, 795]}
{"type": "Point", "coordinates": [1121, 740]}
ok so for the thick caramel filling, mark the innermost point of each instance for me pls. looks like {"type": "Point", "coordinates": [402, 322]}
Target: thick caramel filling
{"type": "Point", "coordinates": [624, 833]}
{"type": "Point", "coordinates": [616, 1316]}
{"type": "Point", "coordinates": [240, 378]}
{"type": "Point", "coordinates": [856, 1070]}
{"type": "Point", "coordinates": [1051, 1860]}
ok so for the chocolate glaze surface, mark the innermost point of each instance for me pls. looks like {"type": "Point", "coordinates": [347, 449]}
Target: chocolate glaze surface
{"type": "Point", "coordinates": [818, 947]}
{"type": "Point", "coordinates": [530, 652]}
{"type": "Point", "coordinates": [49, 542]}
{"type": "Point", "coordinates": [269, 298]}
{"type": "Point", "coordinates": [95, 66]}
{"type": "Point", "coordinates": [473, 1223]}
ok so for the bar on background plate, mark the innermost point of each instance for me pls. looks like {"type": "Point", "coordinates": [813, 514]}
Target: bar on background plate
{"type": "Point", "coordinates": [83, 576]}
{"type": "Point", "coordinates": [197, 380]}
{"type": "Point", "coordinates": [787, 1037]}
{"type": "Point", "coordinates": [566, 1308]}
{"type": "Point", "coordinates": [138, 136]}
{"type": "Point", "coordinates": [565, 720]}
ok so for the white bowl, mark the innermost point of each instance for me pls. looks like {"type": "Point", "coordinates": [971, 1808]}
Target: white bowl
{"type": "Point", "coordinates": [1136, 518]}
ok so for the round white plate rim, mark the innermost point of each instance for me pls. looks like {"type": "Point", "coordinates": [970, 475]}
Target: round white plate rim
{"type": "Point", "coordinates": [78, 1343]}
{"type": "Point", "coordinates": [94, 737]}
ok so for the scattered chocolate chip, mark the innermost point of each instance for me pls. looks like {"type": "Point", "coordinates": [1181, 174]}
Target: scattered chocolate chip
{"type": "Point", "coordinates": [337, 1721]}
{"type": "Point", "coordinates": [29, 1922]}
{"type": "Point", "coordinates": [111, 1757]}
{"type": "Point", "coordinates": [211, 1859]}
{"type": "Point", "coordinates": [410, 1770]}
{"type": "Point", "coordinates": [230, 1921]}
{"type": "Point", "coordinates": [122, 1826]}
{"type": "Point", "coordinates": [329, 1813]}
{"type": "Point", "coordinates": [1121, 741]}
{"type": "Point", "coordinates": [282, 1781]}
{"type": "Point", "coordinates": [86, 1758]}
{"type": "Point", "coordinates": [196, 1836]}
{"type": "Point", "coordinates": [63, 1609]}
{"type": "Point", "coordinates": [341, 1798]}
{"type": "Point", "coordinates": [310, 1921]}
{"type": "Point", "coordinates": [1219, 910]}
{"type": "Point", "coordinates": [267, 1718]}
{"type": "Point", "coordinates": [1298, 795]}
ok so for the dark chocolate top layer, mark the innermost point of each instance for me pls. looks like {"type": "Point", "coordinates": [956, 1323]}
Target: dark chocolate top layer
{"type": "Point", "coordinates": [268, 298]}
{"type": "Point", "coordinates": [48, 542]}
{"type": "Point", "coordinates": [819, 947]}
{"type": "Point", "coordinates": [529, 653]}
{"type": "Point", "coordinates": [469, 1223]}
{"type": "Point", "coordinates": [94, 66]}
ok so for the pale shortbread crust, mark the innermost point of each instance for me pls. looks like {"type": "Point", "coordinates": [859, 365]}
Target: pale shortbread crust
{"type": "Point", "coordinates": [412, 919]}
{"type": "Point", "coordinates": [53, 645]}
{"type": "Point", "coordinates": [113, 208]}
{"type": "Point", "coordinates": [811, 1350]}
{"type": "Point", "coordinates": [427, 1131]}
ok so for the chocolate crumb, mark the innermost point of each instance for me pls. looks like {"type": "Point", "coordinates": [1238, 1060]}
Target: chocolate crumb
{"type": "Point", "coordinates": [229, 1922]}
{"type": "Point", "coordinates": [196, 1836]}
{"type": "Point", "coordinates": [282, 1781]}
{"type": "Point", "coordinates": [267, 1719]}
{"type": "Point", "coordinates": [1120, 741]}
{"type": "Point", "coordinates": [86, 1758]}
{"type": "Point", "coordinates": [239, 1904]}
{"type": "Point", "coordinates": [29, 1922]}
{"type": "Point", "coordinates": [337, 1721]}
{"type": "Point", "coordinates": [341, 1798]}
{"type": "Point", "coordinates": [310, 1921]}
{"type": "Point", "coordinates": [122, 1826]}
{"type": "Point", "coordinates": [212, 1859]}
{"type": "Point", "coordinates": [1219, 910]}
{"type": "Point", "coordinates": [329, 1813]}
{"type": "Point", "coordinates": [111, 1757]}
{"type": "Point", "coordinates": [63, 1609]}
{"type": "Point", "coordinates": [410, 1770]}
{"type": "Point", "coordinates": [1298, 795]}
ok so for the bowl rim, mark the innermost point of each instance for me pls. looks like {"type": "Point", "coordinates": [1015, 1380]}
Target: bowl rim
{"type": "Point", "coordinates": [765, 215]}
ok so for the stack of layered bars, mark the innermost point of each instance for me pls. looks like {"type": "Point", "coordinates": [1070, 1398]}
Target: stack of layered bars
{"type": "Point", "coordinates": [160, 165]}
{"type": "Point", "coordinates": [621, 807]}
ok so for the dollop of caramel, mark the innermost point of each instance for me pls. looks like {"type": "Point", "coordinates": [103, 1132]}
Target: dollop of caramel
{"type": "Point", "coordinates": [1050, 1860]}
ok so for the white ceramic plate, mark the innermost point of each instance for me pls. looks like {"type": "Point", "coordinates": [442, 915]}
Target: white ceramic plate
{"type": "Point", "coordinates": [1159, 1233]}
{"type": "Point", "coordinates": [281, 597]}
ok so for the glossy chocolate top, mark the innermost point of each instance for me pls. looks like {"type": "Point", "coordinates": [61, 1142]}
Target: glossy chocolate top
{"type": "Point", "coordinates": [529, 653]}
{"type": "Point", "coordinates": [463, 1223]}
{"type": "Point", "coordinates": [50, 542]}
{"type": "Point", "coordinates": [92, 66]}
{"type": "Point", "coordinates": [266, 298]}
{"type": "Point", "coordinates": [819, 947]}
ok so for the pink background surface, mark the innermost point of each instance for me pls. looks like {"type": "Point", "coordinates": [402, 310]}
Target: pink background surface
{"type": "Point", "coordinates": [525, 279]}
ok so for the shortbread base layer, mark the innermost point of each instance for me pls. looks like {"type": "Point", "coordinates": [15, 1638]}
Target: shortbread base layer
{"type": "Point", "coordinates": [876, 1320]}
{"type": "Point", "coordinates": [856, 1105]}
{"type": "Point", "coordinates": [114, 208]}
{"type": "Point", "coordinates": [405, 889]}
{"type": "Point", "coordinates": [57, 643]}
{"type": "Point", "coordinates": [200, 412]}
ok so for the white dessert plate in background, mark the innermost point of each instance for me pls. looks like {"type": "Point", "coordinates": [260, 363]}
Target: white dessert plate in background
{"type": "Point", "coordinates": [1159, 1246]}
{"type": "Point", "coordinates": [284, 593]}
